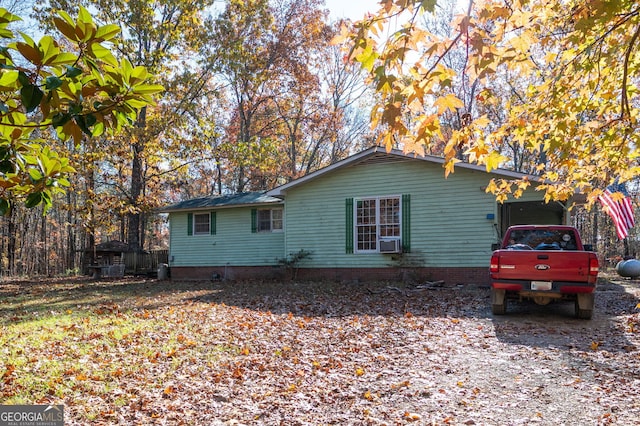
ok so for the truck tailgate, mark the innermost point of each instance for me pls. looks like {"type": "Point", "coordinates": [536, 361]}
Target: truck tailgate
{"type": "Point", "coordinates": [551, 265]}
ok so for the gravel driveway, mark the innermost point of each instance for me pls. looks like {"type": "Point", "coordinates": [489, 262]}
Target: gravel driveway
{"type": "Point", "coordinates": [352, 355]}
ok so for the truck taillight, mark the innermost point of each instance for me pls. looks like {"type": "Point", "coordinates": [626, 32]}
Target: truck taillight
{"type": "Point", "coordinates": [495, 263]}
{"type": "Point", "coordinates": [593, 265]}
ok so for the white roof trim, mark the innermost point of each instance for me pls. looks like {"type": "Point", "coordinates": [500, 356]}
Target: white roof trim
{"type": "Point", "coordinates": [282, 189]}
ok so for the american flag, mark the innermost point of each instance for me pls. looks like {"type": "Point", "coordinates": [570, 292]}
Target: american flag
{"type": "Point", "coordinates": [620, 209]}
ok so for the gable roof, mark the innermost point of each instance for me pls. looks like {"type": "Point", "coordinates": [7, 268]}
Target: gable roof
{"type": "Point", "coordinates": [378, 154]}
{"type": "Point", "coordinates": [221, 201]}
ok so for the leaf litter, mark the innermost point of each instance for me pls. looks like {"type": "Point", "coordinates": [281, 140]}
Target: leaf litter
{"type": "Point", "coordinates": [304, 353]}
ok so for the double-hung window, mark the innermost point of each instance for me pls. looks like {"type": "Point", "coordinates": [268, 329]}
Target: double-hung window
{"type": "Point", "coordinates": [377, 218]}
{"type": "Point", "coordinates": [201, 224]}
{"type": "Point", "coordinates": [269, 220]}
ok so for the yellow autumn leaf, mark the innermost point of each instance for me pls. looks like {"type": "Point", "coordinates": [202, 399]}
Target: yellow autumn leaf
{"type": "Point", "coordinates": [594, 346]}
{"type": "Point", "coordinates": [491, 187]}
{"type": "Point", "coordinates": [448, 102]}
{"type": "Point", "coordinates": [524, 183]}
{"type": "Point", "coordinates": [523, 42]}
{"type": "Point", "coordinates": [449, 166]}
{"type": "Point", "coordinates": [359, 371]}
{"type": "Point", "coordinates": [343, 36]}
{"type": "Point", "coordinates": [493, 160]}
{"type": "Point", "coordinates": [477, 152]}
{"type": "Point", "coordinates": [367, 395]}
{"type": "Point", "coordinates": [482, 121]}
{"type": "Point", "coordinates": [367, 57]}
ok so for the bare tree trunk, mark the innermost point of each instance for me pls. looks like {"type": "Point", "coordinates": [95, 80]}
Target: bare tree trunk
{"type": "Point", "coordinates": [133, 218]}
{"type": "Point", "coordinates": [11, 242]}
{"type": "Point", "coordinates": [123, 228]}
{"type": "Point", "coordinates": [71, 232]}
{"type": "Point", "coordinates": [143, 227]}
{"type": "Point", "coordinates": [133, 226]}
{"type": "Point", "coordinates": [91, 227]}
{"type": "Point", "coordinates": [43, 257]}
{"type": "Point", "coordinates": [219, 182]}
{"type": "Point", "coordinates": [240, 183]}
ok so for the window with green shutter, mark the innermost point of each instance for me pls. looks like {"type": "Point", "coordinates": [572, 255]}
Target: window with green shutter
{"type": "Point", "coordinates": [201, 223]}
{"type": "Point", "coordinates": [378, 224]}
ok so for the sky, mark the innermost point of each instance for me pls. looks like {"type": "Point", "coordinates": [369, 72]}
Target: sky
{"type": "Point", "coordinates": [352, 9]}
{"type": "Point", "coordinates": [356, 9]}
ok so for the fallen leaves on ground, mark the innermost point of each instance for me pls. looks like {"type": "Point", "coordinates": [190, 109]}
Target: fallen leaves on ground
{"type": "Point", "coordinates": [146, 352]}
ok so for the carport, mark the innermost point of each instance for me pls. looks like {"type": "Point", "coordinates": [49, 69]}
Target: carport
{"type": "Point", "coordinates": [531, 213]}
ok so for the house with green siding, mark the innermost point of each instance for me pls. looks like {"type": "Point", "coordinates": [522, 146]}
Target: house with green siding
{"type": "Point", "coordinates": [376, 215]}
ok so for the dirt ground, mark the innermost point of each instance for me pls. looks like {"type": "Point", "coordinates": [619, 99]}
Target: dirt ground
{"type": "Point", "coordinates": [438, 356]}
{"type": "Point", "coordinates": [368, 354]}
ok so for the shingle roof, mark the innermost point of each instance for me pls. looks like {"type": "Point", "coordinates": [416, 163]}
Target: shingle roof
{"type": "Point", "coordinates": [221, 201]}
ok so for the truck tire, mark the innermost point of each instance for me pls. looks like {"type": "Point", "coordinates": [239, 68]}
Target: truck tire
{"type": "Point", "coordinates": [499, 309]}
{"type": "Point", "coordinates": [583, 313]}
{"type": "Point", "coordinates": [498, 302]}
{"type": "Point", "coordinates": [584, 305]}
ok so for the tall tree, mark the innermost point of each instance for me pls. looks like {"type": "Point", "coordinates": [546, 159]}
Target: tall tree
{"type": "Point", "coordinates": [330, 122]}
{"type": "Point", "coordinates": [159, 35]}
{"type": "Point", "coordinates": [265, 55]}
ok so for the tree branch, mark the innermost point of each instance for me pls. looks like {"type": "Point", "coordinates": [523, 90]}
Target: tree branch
{"type": "Point", "coordinates": [624, 101]}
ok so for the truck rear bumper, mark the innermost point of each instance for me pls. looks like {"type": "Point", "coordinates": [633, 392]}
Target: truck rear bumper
{"type": "Point", "coordinates": [556, 287]}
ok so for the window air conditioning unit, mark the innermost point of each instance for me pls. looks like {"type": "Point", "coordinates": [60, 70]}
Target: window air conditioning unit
{"type": "Point", "coordinates": [390, 246]}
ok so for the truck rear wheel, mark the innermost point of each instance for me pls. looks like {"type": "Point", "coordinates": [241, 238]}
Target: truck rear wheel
{"type": "Point", "coordinates": [498, 302]}
{"type": "Point", "coordinates": [584, 305]}
{"type": "Point", "coordinates": [499, 309]}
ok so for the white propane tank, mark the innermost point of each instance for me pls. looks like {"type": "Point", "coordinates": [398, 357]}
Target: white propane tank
{"type": "Point", "coordinates": [628, 268]}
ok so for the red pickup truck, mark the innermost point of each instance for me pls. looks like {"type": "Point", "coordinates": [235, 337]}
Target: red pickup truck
{"type": "Point", "coordinates": [544, 263]}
